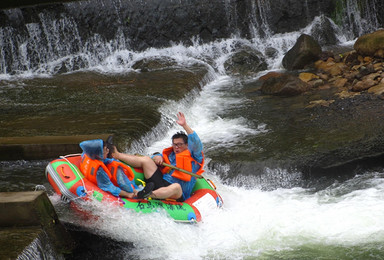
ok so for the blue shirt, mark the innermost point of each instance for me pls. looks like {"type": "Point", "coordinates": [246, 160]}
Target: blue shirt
{"type": "Point", "coordinates": [195, 147]}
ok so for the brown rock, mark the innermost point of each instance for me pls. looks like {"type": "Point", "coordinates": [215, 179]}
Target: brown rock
{"type": "Point", "coordinates": [324, 87]}
{"type": "Point", "coordinates": [363, 85]}
{"type": "Point", "coordinates": [367, 59]}
{"type": "Point", "coordinates": [321, 102]}
{"type": "Point", "coordinates": [356, 67]}
{"type": "Point", "coordinates": [305, 51]}
{"type": "Point", "coordinates": [351, 58]}
{"type": "Point", "coordinates": [323, 76]}
{"type": "Point", "coordinates": [379, 53]}
{"type": "Point", "coordinates": [340, 82]}
{"type": "Point", "coordinates": [324, 65]}
{"type": "Point", "coordinates": [371, 44]}
{"type": "Point", "coordinates": [316, 83]}
{"type": "Point", "coordinates": [284, 85]}
{"type": "Point", "coordinates": [272, 74]}
{"type": "Point", "coordinates": [360, 58]}
{"type": "Point", "coordinates": [372, 76]}
{"type": "Point", "coordinates": [335, 70]}
{"type": "Point", "coordinates": [346, 94]}
{"type": "Point", "coordinates": [378, 66]}
{"type": "Point", "coordinates": [305, 76]}
{"type": "Point", "coordinates": [377, 90]}
{"type": "Point", "coordinates": [351, 75]}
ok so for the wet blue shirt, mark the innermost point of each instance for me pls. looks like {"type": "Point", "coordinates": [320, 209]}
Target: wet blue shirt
{"type": "Point", "coordinates": [105, 183]}
{"type": "Point", "coordinates": [94, 149]}
{"type": "Point", "coordinates": [195, 147]}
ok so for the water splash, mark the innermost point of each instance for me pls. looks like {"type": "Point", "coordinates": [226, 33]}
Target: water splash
{"type": "Point", "coordinates": [258, 224]}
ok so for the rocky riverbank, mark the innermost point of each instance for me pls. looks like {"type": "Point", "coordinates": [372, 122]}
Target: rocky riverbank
{"type": "Point", "coordinates": [356, 72]}
{"type": "Point", "coordinates": [325, 111]}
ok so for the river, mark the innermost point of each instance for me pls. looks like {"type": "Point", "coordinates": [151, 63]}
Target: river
{"type": "Point", "coordinates": [269, 212]}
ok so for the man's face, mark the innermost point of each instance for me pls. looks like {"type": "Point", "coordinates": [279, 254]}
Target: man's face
{"type": "Point", "coordinates": [179, 145]}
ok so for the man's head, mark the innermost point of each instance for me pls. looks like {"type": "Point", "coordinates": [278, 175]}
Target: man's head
{"type": "Point", "coordinates": [105, 150]}
{"type": "Point", "coordinates": [179, 142]}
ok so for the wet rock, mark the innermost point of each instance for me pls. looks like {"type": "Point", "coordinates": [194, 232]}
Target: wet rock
{"type": "Point", "coordinates": [346, 94]}
{"type": "Point", "coordinates": [154, 64]}
{"type": "Point", "coordinates": [305, 51]}
{"type": "Point", "coordinates": [316, 83]}
{"type": "Point", "coordinates": [245, 62]}
{"type": "Point", "coordinates": [271, 52]}
{"type": "Point", "coordinates": [324, 32]}
{"type": "Point", "coordinates": [377, 90]}
{"type": "Point", "coordinates": [340, 82]}
{"type": "Point", "coordinates": [363, 85]}
{"type": "Point", "coordinates": [320, 102]}
{"type": "Point", "coordinates": [281, 84]}
{"type": "Point", "coordinates": [62, 68]}
{"type": "Point", "coordinates": [330, 67]}
{"type": "Point", "coordinates": [371, 44]}
{"type": "Point", "coordinates": [305, 76]}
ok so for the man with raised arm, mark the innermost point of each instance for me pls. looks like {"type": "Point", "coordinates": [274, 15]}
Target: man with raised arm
{"type": "Point", "coordinates": [186, 153]}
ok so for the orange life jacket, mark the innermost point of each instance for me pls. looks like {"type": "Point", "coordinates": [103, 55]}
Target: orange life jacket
{"type": "Point", "coordinates": [184, 161]}
{"type": "Point", "coordinates": [90, 167]}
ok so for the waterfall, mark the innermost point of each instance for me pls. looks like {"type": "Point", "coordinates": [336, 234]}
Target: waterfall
{"type": "Point", "coordinates": [70, 36]}
{"type": "Point", "coordinates": [40, 248]}
{"type": "Point", "coordinates": [357, 17]}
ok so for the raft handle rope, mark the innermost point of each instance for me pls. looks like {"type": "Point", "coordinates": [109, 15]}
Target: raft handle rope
{"type": "Point", "coordinates": [75, 167]}
{"type": "Point", "coordinates": [211, 183]}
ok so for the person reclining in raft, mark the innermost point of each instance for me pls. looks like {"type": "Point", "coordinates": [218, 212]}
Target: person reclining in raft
{"type": "Point", "coordinates": [109, 175]}
{"type": "Point", "coordinates": [186, 152]}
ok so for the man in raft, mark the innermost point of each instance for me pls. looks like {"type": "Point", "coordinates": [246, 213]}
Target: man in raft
{"type": "Point", "coordinates": [186, 153]}
{"type": "Point", "coordinates": [109, 175]}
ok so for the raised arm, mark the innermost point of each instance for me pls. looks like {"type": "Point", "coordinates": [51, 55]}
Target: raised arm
{"type": "Point", "coordinates": [183, 122]}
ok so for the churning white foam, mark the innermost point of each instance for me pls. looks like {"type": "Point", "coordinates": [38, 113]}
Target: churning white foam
{"type": "Point", "coordinates": [254, 222]}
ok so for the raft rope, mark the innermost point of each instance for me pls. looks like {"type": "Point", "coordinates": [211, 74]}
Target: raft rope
{"type": "Point", "coordinates": [75, 167]}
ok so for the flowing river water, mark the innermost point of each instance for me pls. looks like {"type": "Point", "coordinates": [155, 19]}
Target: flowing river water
{"type": "Point", "coordinates": [273, 214]}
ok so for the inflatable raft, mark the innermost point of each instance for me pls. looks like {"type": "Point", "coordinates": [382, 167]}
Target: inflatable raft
{"type": "Point", "coordinates": [66, 179]}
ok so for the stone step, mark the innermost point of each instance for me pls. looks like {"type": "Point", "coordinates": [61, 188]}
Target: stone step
{"type": "Point", "coordinates": [26, 217]}
{"type": "Point", "coordinates": [42, 147]}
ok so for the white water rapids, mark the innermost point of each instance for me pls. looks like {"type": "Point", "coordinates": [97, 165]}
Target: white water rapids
{"type": "Point", "coordinates": [255, 224]}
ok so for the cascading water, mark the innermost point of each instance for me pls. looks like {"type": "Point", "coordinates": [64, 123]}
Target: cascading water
{"type": "Point", "coordinates": [272, 215]}
{"type": "Point", "coordinates": [52, 41]}
{"type": "Point", "coordinates": [352, 13]}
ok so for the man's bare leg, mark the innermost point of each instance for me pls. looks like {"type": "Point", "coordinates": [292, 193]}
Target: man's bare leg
{"type": "Point", "coordinates": [149, 167]}
{"type": "Point", "coordinates": [144, 162]}
{"type": "Point", "coordinates": [172, 191]}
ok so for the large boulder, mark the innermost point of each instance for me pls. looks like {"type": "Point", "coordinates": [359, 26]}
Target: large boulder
{"type": "Point", "coordinates": [305, 51]}
{"type": "Point", "coordinates": [245, 63]}
{"type": "Point", "coordinates": [281, 84]}
{"type": "Point", "coordinates": [371, 44]}
{"type": "Point", "coordinates": [323, 31]}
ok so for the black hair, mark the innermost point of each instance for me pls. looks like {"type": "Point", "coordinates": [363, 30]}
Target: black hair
{"type": "Point", "coordinates": [180, 134]}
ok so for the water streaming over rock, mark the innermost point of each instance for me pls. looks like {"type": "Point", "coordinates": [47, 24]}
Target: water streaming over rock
{"type": "Point", "coordinates": [71, 36]}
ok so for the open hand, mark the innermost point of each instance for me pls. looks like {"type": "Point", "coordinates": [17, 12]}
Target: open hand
{"type": "Point", "coordinates": [181, 119]}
